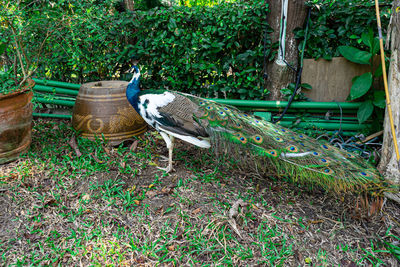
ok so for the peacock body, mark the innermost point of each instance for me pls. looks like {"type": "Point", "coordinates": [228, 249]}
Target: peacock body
{"type": "Point", "coordinates": [270, 148]}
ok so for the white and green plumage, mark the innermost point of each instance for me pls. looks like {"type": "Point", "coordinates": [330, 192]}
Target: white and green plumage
{"type": "Point", "coordinates": [269, 147]}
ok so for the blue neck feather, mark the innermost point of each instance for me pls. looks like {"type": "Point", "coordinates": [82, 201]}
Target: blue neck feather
{"type": "Point", "coordinates": [132, 93]}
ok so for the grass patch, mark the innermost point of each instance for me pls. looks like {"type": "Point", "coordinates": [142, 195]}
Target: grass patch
{"type": "Point", "coordinates": [111, 206]}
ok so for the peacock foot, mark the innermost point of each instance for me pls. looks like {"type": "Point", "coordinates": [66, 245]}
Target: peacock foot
{"type": "Point", "coordinates": [163, 158]}
{"type": "Point", "coordinates": [168, 169]}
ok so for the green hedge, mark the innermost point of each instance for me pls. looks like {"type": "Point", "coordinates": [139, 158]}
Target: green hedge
{"type": "Point", "coordinates": [212, 51]}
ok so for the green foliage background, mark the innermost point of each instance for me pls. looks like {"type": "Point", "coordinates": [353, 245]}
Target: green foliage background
{"type": "Point", "coordinates": [209, 49]}
{"type": "Point", "coordinates": [335, 23]}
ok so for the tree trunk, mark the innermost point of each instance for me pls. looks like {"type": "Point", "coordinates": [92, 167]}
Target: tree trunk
{"type": "Point", "coordinates": [130, 4]}
{"type": "Point", "coordinates": [279, 74]}
{"type": "Point", "coordinates": [389, 164]}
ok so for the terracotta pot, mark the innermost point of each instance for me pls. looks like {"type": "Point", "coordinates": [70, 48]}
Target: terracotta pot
{"type": "Point", "coordinates": [101, 108]}
{"type": "Point", "coordinates": [15, 124]}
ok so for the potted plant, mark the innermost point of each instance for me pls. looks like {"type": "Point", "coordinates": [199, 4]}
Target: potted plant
{"type": "Point", "coordinates": [22, 39]}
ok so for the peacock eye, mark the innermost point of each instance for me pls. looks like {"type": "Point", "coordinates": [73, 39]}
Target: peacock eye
{"type": "Point", "coordinates": [316, 153]}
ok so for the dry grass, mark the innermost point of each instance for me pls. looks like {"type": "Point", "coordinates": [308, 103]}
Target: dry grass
{"type": "Point", "coordinates": [111, 206]}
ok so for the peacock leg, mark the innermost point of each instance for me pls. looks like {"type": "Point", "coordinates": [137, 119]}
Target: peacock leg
{"type": "Point", "coordinates": [169, 140]}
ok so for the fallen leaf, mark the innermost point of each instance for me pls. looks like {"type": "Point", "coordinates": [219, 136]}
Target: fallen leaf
{"type": "Point", "coordinates": [137, 202]}
{"type": "Point", "coordinates": [196, 211]}
{"type": "Point", "coordinates": [134, 146]}
{"type": "Point", "coordinates": [74, 145]}
{"type": "Point", "coordinates": [160, 210]}
{"type": "Point", "coordinates": [123, 164]}
{"type": "Point", "coordinates": [140, 259]}
{"type": "Point", "coordinates": [133, 188]}
{"type": "Point", "coordinates": [171, 248]}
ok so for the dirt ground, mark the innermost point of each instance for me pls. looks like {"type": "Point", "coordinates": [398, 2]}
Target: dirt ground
{"type": "Point", "coordinates": [112, 206]}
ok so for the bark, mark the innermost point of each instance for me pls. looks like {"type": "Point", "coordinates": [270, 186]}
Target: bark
{"type": "Point", "coordinates": [279, 76]}
{"type": "Point", "coordinates": [129, 4]}
{"type": "Point", "coordinates": [389, 164]}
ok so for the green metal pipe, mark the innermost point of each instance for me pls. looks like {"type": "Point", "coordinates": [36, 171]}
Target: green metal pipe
{"type": "Point", "coordinates": [290, 110]}
{"type": "Point", "coordinates": [47, 89]}
{"type": "Point", "coordinates": [325, 126]}
{"type": "Point", "coordinates": [346, 133]}
{"type": "Point", "coordinates": [58, 84]}
{"type": "Point", "coordinates": [57, 116]}
{"type": "Point", "coordinates": [283, 104]}
{"type": "Point", "coordinates": [320, 118]}
{"type": "Point", "coordinates": [55, 101]}
{"type": "Point", "coordinates": [322, 121]}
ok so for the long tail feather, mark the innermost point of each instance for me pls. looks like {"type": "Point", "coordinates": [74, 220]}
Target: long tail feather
{"type": "Point", "coordinates": [280, 151]}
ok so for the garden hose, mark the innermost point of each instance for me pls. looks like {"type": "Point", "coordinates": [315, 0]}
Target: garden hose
{"type": "Point", "coordinates": [388, 104]}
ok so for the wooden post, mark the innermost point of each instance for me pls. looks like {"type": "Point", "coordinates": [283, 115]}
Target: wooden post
{"type": "Point", "coordinates": [279, 74]}
{"type": "Point", "coordinates": [389, 163]}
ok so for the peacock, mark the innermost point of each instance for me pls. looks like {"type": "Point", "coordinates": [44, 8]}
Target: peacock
{"type": "Point", "coordinates": [269, 148]}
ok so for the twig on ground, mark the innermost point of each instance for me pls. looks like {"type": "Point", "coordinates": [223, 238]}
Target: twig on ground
{"type": "Point", "coordinates": [72, 142]}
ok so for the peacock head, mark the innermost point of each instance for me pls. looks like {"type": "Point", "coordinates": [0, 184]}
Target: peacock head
{"type": "Point", "coordinates": [134, 83]}
{"type": "Point", "coordinates": [132, 90]}
{"type": "Point", "coordinates": [136, 73]}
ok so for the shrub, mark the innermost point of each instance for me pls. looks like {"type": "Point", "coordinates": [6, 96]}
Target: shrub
{"type": "Point", "coordinates": [336, 23]}
{"type": "Point", "coordinates": [213, 51]}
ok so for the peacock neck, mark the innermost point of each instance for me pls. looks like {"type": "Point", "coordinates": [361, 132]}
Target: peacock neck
{"type": "Point", "coordinates": [132, 93]}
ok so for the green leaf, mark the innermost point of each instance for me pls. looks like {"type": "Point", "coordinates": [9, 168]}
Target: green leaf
{"type": "Point", "coordinates": [375, 46]}
{"type": "Point", "coordinates": [378, 71]}
{"type": "Point", "coordinates": [366, 39]}
{"type": "Point", "coordinates": [379, 99]}
{"type": "Point", "coordinates": [2, 48]}
{"type": "Point", "coordinates": [361, 85]}
{"type": "Point", "coordinates": [354, 54]}
{"type": "Point", "coordinates": [365, 111]}
{"type": "Point", "coordinates": [306, 86]}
